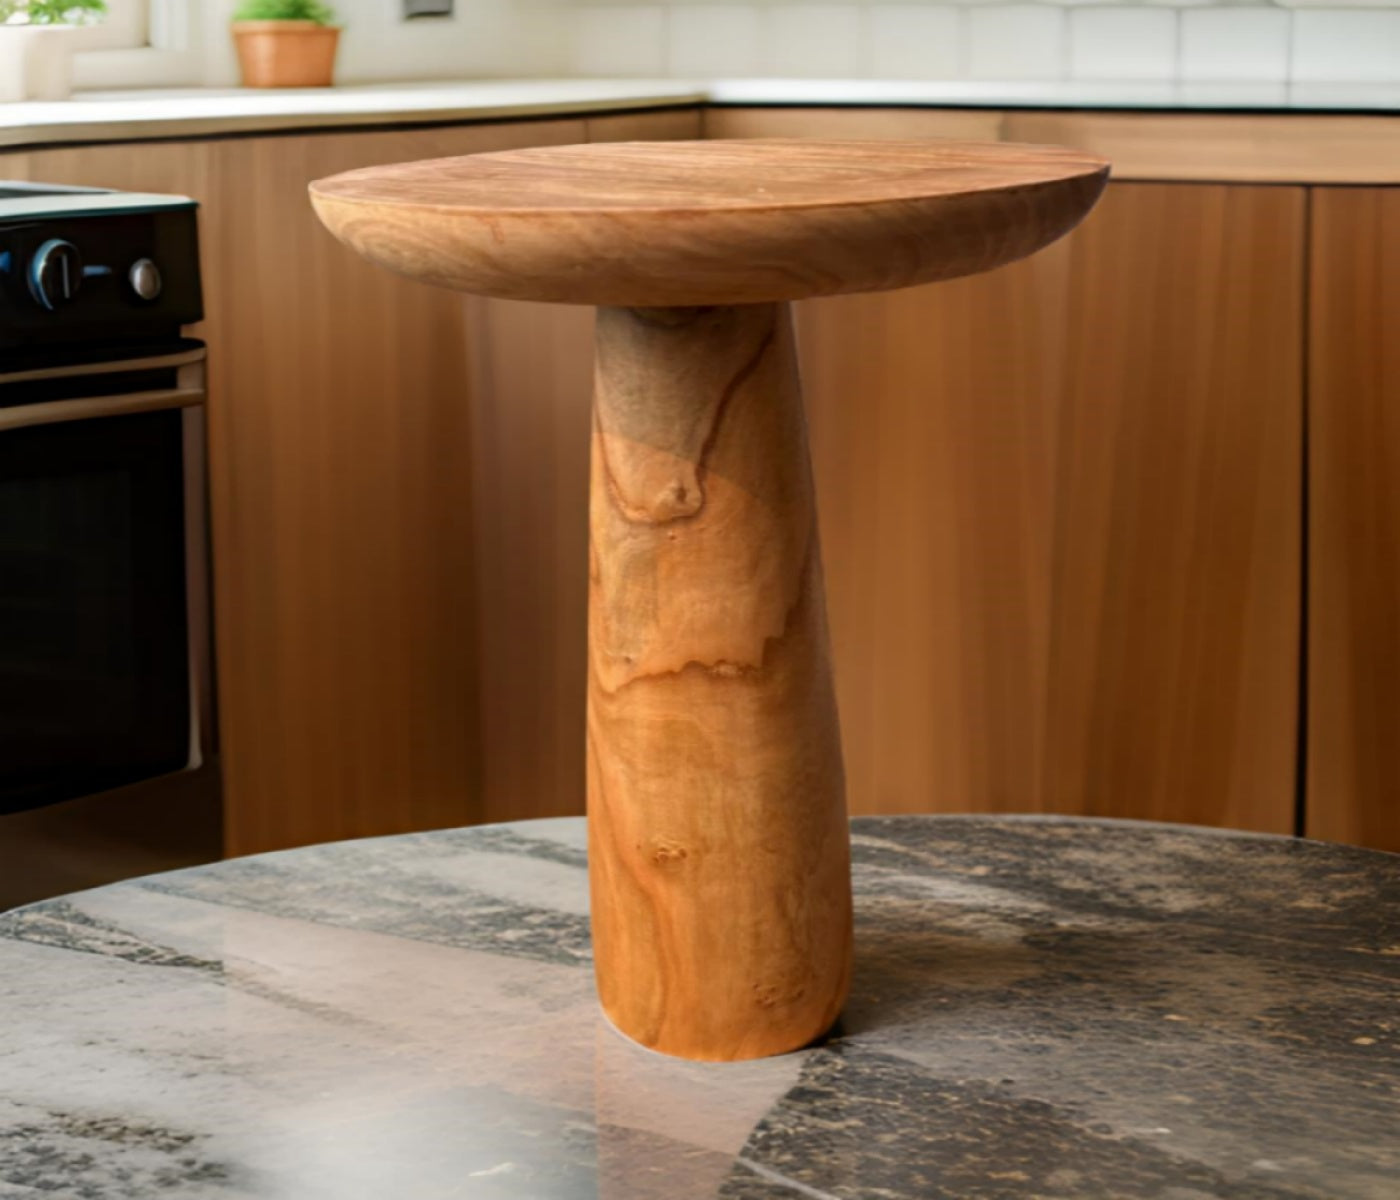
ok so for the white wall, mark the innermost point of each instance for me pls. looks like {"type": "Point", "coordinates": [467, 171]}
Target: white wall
{"type": "Point", "coordinates": [1193, 41]}
{"type": "Point", "coordinates": [1152, 40]}
{"type": "Point", "coordinates": [483, 39]}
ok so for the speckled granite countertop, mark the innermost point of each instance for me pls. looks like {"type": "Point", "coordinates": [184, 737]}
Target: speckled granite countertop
{"type": "Point", "coordinates": [1041, 1008]}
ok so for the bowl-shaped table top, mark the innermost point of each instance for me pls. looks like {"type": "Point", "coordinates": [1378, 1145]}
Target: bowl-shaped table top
{"type": "Point", "coordinates": [717, 222]}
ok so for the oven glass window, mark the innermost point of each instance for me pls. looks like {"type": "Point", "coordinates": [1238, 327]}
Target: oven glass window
{"type": "Point", "coordinates": [94, 665]}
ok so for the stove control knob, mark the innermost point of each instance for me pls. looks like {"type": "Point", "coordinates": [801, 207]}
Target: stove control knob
{"type": "Point", "coordinates": [55, 273]}
{"type": "Point", "coordinates": [144, 278]}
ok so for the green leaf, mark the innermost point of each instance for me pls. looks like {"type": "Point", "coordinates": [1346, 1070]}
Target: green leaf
{"type": "Point", "coordinates": [53, 12]}
{"type": "Point", "coordinates": [283, 10]}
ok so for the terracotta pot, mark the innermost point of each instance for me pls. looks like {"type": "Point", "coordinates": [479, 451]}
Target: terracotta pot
{"type": "Point", "coordinates": [285, 53]}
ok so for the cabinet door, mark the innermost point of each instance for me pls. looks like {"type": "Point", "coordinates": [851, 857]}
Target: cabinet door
{"type": "Point", "coordinates": [1353, 711]}
{"type": "Point", "coordinates": [374, 624]}
{"type": "Point", "coordinates": [1061, 511]}
{"type": "Point", "coordinates": [342, 485]}
{"type": "Point", "coordinates": [340, 467]}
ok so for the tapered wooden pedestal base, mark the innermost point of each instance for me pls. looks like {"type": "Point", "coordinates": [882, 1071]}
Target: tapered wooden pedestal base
{"type": "Point", "coordinates": [718, 846]}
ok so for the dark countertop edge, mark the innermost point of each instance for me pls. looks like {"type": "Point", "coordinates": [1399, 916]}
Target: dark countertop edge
{"type": "Point", "coordinates": [1068, 108]}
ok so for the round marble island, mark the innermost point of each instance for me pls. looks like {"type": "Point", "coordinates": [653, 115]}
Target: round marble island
{"type": "Point", "coordinates": [1041, 1008]}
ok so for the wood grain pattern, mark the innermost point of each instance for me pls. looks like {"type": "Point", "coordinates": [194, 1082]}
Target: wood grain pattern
{"type": "Point", "coordinates": [1176, 607]}
{"type": "Point", "coordinates": [718, 852]}
{"type": "Point", "coordinates": [1257, 148]}
{"type": "Point", "coordinates": [344, 562]}
{"type": "Point", "coordinates": [873, 123]}
{"type": "Point", "coordinates": [1071, 484]}
{"type": "Point", "coordinates": [1062, 523]}
{"type": "Point", "coordinates": [936, 577]}
{"type": "Point", "coordinates": [937, 495]}
{"type": "Point", "coordinates": [1353, 777]}
{"type": "Point", "coordinates": [530, 417]}
{"type": "Point", "coordinates": [529, 432]}
{"type": "Point", "coordinates": [697, 223]}
{"type": "Point", "coordinates": [1161, 145]}
{"type": "Point", "coordinates": [342, 493]}
{"type": "Point", "coordinates": [670, 124]}
{"type": "Point", "coordinates": [349, 508]}
{"type": "Point", "coordinates": [1164, 146]}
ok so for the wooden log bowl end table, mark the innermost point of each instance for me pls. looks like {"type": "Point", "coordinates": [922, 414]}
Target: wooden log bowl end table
{"type": "Point", "coordinates": [718, 843]}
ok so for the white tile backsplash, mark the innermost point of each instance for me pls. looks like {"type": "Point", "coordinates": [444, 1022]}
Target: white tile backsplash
{"type": "Point", "coordinates": [620, 40]}
{"type": "Point", "coordinates": [915, 41]}
{"type": "Point", "coordinates": [1015, 41]}
{"type": "Point", "coordinates": [1346, 45]}
{"type": "Point", "coordinates": [1122, 43]}
{"type": "Point", "coordinates": [716, 41]}
{"type": "Point", "coordinates": [1150, 41]}
{"type": "Point", "coordinates": [816, 41]}
{"type": "Point", "coordinates": [1235, 45]}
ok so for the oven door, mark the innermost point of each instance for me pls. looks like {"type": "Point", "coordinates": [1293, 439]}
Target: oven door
{"type": "Point", "coordinates": [103, 636]}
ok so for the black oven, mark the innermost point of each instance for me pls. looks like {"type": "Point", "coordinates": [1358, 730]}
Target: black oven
{"type": "Point", "coordinates": [105, 660]}
{"type": "Point", "coordinates": [101, 554]}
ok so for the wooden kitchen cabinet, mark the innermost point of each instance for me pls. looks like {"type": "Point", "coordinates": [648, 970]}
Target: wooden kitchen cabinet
{"type": "Point", "coordinates": [1062, 521]}
{"type": "Point", "coordinates": [531, 417]}
{"type": "Point", "coordinates": [1060, 506]}
{"type": "Point", "coordinates": [1353, 702]}
{"type": "Point", "coordinates": [340, 491]}
{"type": "Point", "coordinates": [343, 495]}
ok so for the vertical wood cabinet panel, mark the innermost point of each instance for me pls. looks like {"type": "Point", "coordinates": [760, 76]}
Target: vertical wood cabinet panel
{"type": "Point", "coordinates": [341, 491]}
{"type": "Point", "coordinates": [1061, 520]}
{"type": "Point", "coordinates": [1295, 147]}
{"type": "Point", "coordinates": [1060, 504]}
{"type": "Point", "coordinates": [933, 416]}
{"type": "Point", "coordinates": [345, 607]}
{"type": "Point", "coordinates": [1175, 605]}
{"type": "Point", "coordinates": [348, 645]}
{"type": "Point", "coordinates": [531, 420]}
{"type": "Point", "coordinates": [664, 125]}
{"type": "Point", "coordinates": [358, 683]}
{"type": "Point", "coordinates": [969, 125]}
{"type": "Point", "coordinates": [1061, 509]}
{"type": "Point", "coordinates": [1353, 775]}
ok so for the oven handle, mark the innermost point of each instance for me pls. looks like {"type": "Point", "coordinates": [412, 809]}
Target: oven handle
{"type": "Point", "coordinates": [54, 411]}
{"type": "Point", "coordinates": [183, 358]}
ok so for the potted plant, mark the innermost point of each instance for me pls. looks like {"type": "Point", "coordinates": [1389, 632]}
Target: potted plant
{"type": "Point", "coordinates": [35, 56]}
{"type": "Point", "coordinates": [285, 43]}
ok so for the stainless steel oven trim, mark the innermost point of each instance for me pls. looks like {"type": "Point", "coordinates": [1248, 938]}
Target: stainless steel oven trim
{"type": "Point", "coordinates": [198, 581]}
{"type": "Point", "coordinates": [181, 359]}
{"type": "Point", "coordinates": [56, 412]}
{"type": "Point", "coordinates": [189, 394]}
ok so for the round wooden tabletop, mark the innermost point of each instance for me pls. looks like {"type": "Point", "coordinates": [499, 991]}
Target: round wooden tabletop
{"type": "Point", "coordinates": [714, 222]}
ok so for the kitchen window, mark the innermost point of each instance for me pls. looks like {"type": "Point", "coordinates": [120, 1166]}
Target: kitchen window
{"type": "Point", "coordinates": [141, 43]}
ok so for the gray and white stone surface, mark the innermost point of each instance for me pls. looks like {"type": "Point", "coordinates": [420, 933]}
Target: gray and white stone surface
{"type": "Point", "coordinates": [1041, 1008]}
